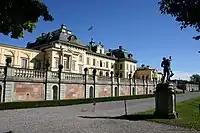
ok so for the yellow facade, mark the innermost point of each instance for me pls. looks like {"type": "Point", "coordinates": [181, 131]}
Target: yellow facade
{"type": "Point", "coordinates": [148, 72]}
{"type": "Point", "coordinates": [21, 57]}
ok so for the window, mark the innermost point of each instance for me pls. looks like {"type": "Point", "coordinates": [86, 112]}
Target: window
{"type": "Point", "coordinates": [9, 58]}
{"type": "Point", "coordinates": [73, 65]}
{"type": "Point", "coordinates": [127, 66]}
{"type": "Point", "coordinates": [80, 58]}
{"type": "Point", "coordinates": [100, 51]}
{"type": "Point", "coordinates": [115, 66]}
{"type": "Point", "coordinates": [56, 62]}
{"type": "Point", "coordinates": [107, 74]}
{"type": "Point", "coordinates": [88, 61]}
{"type": "Point", "coordinates": [127, 74]}
{"type": "Point", "coordinates": [121, 75]}
{"type": "Point", "coordinates": [130, 67]}
{"type": "Point", "coordinates": [101, 73]}
{"type": "Point", "coordinates": [121, 66]}
{"type": "Point", "coordinates": [38, 64]}
{"type": "Point", "coordinates": [107, 64]}
{"type": "Point", "coordinates": [112, 65]}
{"type": "Point", "coordinates": [133, 67]}
{"type": "Point", "coordinates": [66, 64]}
{"type": "Point", "coordinates": [100, 63]}
{"type": "Point", "coordinates": [24, 62]}
{"type": "Point", "coordinates": [93, 62]}
{"type": "Point", "coordinates": [80, 68]}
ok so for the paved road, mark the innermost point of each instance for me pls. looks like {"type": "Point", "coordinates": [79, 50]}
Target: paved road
{"type": "Point", "coordinates": [67, 119]}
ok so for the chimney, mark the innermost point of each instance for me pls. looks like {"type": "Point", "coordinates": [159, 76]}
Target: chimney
{"type": "Point", "coordinates": [63, 26]}
{"type": "Point", "coordinates": [120, 47]}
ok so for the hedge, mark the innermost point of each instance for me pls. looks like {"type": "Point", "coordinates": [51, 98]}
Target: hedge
{"type": "Point", "coordinates": [52, 103]}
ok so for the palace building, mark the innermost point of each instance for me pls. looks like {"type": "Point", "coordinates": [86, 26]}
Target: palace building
{"type": "Point", "coordinates": [63, 47]}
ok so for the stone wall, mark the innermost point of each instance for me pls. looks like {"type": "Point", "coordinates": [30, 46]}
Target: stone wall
{"type": "Point", "coordinates": [28, 91]}
{"type": "Point", "coordinates": [29, 85]}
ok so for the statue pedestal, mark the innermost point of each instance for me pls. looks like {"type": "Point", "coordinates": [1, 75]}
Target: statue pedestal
{"type": "Point", "coordinates": [165, 101]}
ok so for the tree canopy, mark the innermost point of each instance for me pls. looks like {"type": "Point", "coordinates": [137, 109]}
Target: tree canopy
{"type": "Point", "coordinates": [195, 78]}
{"type": "Point", "coordinates": [17, 16]}
{"type": "Point", "coordinates": [186, 12]}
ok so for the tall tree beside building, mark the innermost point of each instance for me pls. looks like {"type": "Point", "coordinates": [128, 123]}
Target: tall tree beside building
{"type": "Point", "coordinates": [17, 16]}
{"type": "Point", "coordinates": [186, 12]}
{"type": "Point", "coordinates": [195, 78]}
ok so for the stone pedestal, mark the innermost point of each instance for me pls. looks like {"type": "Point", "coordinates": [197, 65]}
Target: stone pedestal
{"type": "Point", "coordinates": [165, 101]}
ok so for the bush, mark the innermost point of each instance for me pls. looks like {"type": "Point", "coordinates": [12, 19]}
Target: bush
{"type": "Point", "coordinates": [51, 103]}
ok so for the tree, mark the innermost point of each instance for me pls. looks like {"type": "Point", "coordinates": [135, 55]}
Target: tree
{"type": "Point", "coordinates": [186, 12]}
{"type": "Point", "coordinates": [17, 16]}
{"type": "Point", "coordinates": [195, 78]}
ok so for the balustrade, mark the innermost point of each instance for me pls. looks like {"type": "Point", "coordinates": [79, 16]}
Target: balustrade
{"type": "Point", "coordinates": [73, 77]}
{"type": "Point", "coordinates": [1, 72]}
{"type": "Point", "coordinates": [28, 73]}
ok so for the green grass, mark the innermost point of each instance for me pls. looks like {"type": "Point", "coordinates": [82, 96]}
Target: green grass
{"type": "Point", "coordinates": [189, 115]}
{"type": "Point", "coordinates": [51, 103]}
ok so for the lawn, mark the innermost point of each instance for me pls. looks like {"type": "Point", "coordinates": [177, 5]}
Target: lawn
{"type": "Point", "coordinates": [189, 115]}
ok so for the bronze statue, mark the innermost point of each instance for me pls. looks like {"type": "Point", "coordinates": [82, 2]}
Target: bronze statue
{"type": "Point", "coordinates": [166, 63]}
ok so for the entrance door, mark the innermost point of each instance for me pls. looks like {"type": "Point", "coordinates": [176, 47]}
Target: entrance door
{"type": "Point", "coordinates": [133, 89]}
{"type": "Point", "coordinates": [55, 92]}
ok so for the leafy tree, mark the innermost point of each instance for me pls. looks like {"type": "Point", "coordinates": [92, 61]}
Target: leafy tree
{"type": "Point", "coordinates": [17, 16]}
{"type": "Point", "coordinates": [195, 78]}
{"type": "Point", "coordinates": [186, 12]}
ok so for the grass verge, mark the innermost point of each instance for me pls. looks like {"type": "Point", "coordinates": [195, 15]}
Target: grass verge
{"type": "Point", "coordinates": [189, 115]}
{"type": "Point", "coordinates": [51, 103]}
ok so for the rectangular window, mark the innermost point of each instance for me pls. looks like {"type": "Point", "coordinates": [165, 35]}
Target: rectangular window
{"type": "Point", "coordinates": [24, 63]}
{"type": "Point", "coordinates": [121, 75]}
{"type": "Point", "coordinates": [133, 67]}
{"type": "Point", "coordinates": [80, 58]}
{"type": "Point", "coordinates": [127, 67]}
{"type": "Point", "coordinates": [127, 74]}
{"type": "Point", "coordinates": [101, 63]}
{"type": "Point", "coordinates": [73, 65]}
{"type": "Point", "coordinates": [130, 67]}
{"type": "Point", "coordinates": [80, 68]}
{"type": "Point", "coordinates": [56, 62]}
{"type": "Point", "coordinates": [107, 65]}
{"type": "Point", "coordinates": [66, 64]}
{"type": "Point", "coordinates": [100, 51]}
{"type": "Point", "coordinates": [112, 65]}
{"type": "Point", "coordinates": [38, 64]}
{"type": "Point", "coordinates": [94, 62]}
{"type": "Point", "coordinates": [88, 61]}
{"type": "Point", "coordinates": [115, 66]}
{"type": "Point", "coordinates": [121, 67]}
{"type": "Point", "coordinates": [10, 59]}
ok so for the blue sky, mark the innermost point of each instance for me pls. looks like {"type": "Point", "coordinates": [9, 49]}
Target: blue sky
{"type": "Point", "coordinates": [135, 24]}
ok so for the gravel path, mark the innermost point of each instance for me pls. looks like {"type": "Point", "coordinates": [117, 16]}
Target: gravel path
{"type": "Point", "coordinates": [67, 119]}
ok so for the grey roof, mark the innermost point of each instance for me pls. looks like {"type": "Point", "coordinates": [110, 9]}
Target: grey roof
{"type": "Point", "coordinates": [61, 34]}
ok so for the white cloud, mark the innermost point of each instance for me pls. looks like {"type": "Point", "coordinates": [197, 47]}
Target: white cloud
{"type": "Point", "coordinates": [182, 75]}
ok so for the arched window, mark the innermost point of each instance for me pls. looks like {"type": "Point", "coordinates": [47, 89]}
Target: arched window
{"type": "Point", "coordinates": [55, 92]}
{"type": "Point", "coordinates": [91, 92]}
{"type": "Point", "coordinates": [107, 73]}
{"type": "Point", "coordinates": [116, 91]}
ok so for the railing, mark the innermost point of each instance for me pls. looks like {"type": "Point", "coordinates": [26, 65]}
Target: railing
{"type": "Point", "coordinates": [90, 77]}
{"type": "Point", "coordinates": [54, 75]}
{"type": "Point", "coordinates": [28, 73]}
{"type": "Point", "coordinates": [124, 80]}
{"type": "Point", "coordinates": [103, 78]}
{"type": "Point", "coordinates": [73, 76]}
{"type": "Point", "coordinates": [1, 72]}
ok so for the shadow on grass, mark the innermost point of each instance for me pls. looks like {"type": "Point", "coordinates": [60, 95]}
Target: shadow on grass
{"type": "Point", "coordinates": [135, 117]}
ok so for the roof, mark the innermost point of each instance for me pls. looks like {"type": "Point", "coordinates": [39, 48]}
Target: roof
{"type": "Point", "coordinates": [62, 34]}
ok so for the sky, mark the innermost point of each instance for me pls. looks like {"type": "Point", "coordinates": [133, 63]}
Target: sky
{"type": "Point", "coordinates": [137, 25]}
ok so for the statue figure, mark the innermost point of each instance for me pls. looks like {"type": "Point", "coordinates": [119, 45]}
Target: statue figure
{"type": "Point", "coordinates": [166, 69]}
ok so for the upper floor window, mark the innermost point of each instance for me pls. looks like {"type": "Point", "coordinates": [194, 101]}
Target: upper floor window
{"type": "Point", "coordinates": [38, 65]}
{"type": "Point", "coordinates": [24, 62]}
{"type": "Point", "coordinates": [121, 66]}
{"type": "Point", "coordinates": [127, 67]}
{"type": "Point", "coordinates": [107, 64]}
{"type": "Point", "coordinates": [80, 68]}
{"type": "Point", "coordinates": [121, 75]}
{"type": "Point", "coordinates": [115, 66]}
{"type": "Point", "coordinates": [56, 62]}
{"type": "Point", "coordinates": [66, 63]}
{"type": "Point", "coordinates": [130, 67]}
{"type": "Point", "coordinates": [73, 65]}
{"type": "Point", "coordinates": [100, 51]}
{"type": "Point", "coordinates": [8, 58]}
{"type": "Point", "coordinates": [88, 61]}
{"type": "Point", "coordinates": [112, 65]}
{"type": "Point", "coordinates": [101, 63]}
{"type": "Point", "coordinates": [80, 58]}
{"type": "Point", "coordinates": [94, 62]}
